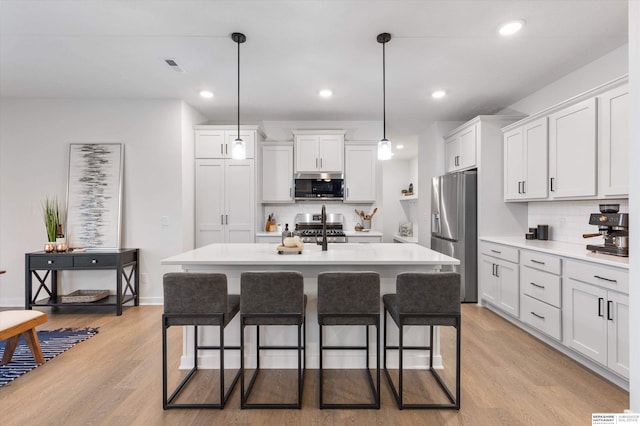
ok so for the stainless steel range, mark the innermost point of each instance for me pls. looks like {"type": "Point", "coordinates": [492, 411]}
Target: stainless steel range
{"type": "Point", "coordinates": [309, 228]}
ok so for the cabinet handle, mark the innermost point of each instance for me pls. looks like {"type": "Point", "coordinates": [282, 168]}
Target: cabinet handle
{"type": "Point", "coordinates": [221, 219]}
{"type": "Point", "coordinates": [226, 217]}
{"type": "Point", "coordinates": [226, 149]}
{"type": "Point", "coordinates": [537, 261]}
{"type": "Point", "coordinates": [347, 192]}
{"type": "Point", "coordinates": [524, 191]}
{"type": "Point", "coordinates": [609, 310]}
{"type": "Point", "coordinates": [316, 163]}
{"type": "Point", "coordinates": [537, 285]}
{"type": "Point", "coordinates": [600, 300]}
{"type": "Point", "coordinates": [50, 262]}
{"type": "Point", "coordinates": [221, 149]}
{"type": "Point", "coordinates": [94, 261]}
{"type": "Point", "coordinates": [497, 275]}
{"type": "Point", "coordinates": [320, 162]}
{"type": "Point", "coordinates": [551, 184]}
{"type": "Point", "coordinates": [519, 190]}
{"type": "Point", "coordinates": [496, 251]}
{"type": "Point", "coordinates": [290, 192]}
{"type": "Point", "coordinates": [536, 315]}
{"type": "Point", "coordinates": [606, 279]}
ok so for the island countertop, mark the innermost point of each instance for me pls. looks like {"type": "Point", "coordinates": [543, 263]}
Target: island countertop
{"type": "Point", "coordinates": [337, 254]}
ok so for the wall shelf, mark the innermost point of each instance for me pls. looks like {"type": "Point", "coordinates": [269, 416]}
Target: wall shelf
{"type": "Point", "coordinates": [409, 197]}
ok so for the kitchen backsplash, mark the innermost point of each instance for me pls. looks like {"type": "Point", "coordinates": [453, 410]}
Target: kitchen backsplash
{"type": "Point", "coordinates": [286, 213]}
{"type": "Point", "coordinates": [568, 220]}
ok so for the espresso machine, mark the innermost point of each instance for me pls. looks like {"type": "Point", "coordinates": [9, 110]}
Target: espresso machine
{"type": "Point", "coordinates": [613, 227]}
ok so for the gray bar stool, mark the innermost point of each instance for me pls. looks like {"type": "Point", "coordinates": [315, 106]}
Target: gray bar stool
{"type": "Point", "coordinates": [272, 298]}
{"type": "Point", "coordinates": [350, 298]}
{"type": "Point", "coordinates": [197, 299]}
{"type": "Point", "coordinates": [429, 299]}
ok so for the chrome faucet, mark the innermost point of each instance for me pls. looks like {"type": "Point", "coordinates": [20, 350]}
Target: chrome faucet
{"type": "Point", "coordinates": [323, 220]}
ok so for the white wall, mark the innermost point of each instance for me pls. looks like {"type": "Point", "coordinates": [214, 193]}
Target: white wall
{"type": "Point", "coordinates": [34, 143]}
{"type": "Point", "coordinates": [634, 203]}
{"type": "Point", "coordinates": [356, 130]}
{"type": "Point", "coordinates": [190, 117]}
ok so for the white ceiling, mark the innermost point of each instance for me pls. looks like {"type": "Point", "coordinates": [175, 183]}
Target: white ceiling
{"type": "Point", "coordinates": [115, 49]}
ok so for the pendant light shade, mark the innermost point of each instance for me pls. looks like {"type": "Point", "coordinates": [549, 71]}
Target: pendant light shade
{"type": "Point", "coordinates": [239, 148]}
{"type": "Point", "coordinates": [384, 146]}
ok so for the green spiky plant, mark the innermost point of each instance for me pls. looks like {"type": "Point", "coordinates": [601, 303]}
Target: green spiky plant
{"type": "Point", "coordinates": [51, 216]}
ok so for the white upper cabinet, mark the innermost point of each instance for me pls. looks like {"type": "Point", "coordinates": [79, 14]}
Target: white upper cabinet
{"type": "Point", "coordinates": [361, 163]}
{"type": "Point", "coordinates": [217, 143]}
{"type": "Point", "coordinates": [525, 161]}
{"type": "Point", "coordinates": [460, 149]}
{"type": "Point", "coordinates": [277, 173]}
{"type": "Point", "coordinates": [319, 151]}
{"type": "Point", "coordinates": [572, 151]}
{"type": "Point", "coordinates": [613, 142]}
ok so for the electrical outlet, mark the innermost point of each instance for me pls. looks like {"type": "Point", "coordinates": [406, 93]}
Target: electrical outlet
{"type": "Point", "coordinates": [144, 278]}
{"type": "Point", "coordinates": [164, 220]}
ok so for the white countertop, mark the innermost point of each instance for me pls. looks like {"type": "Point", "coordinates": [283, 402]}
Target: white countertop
{"type": "Point", "coordinates": [338, 254]}
{"type": "Point", "coordinates": [370, 233]}
{"type": "Point", "coordinates": [559, 248]}
{"type": "Point", "coordinates": [406, 239]}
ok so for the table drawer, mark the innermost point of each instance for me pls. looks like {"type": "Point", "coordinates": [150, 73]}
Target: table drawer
{"type": "Point", "coordinates": [54, 261]}
{"type": "Point", "coordinates": [96, 261]}
{"type": "Point", "coordinates": [541, 316]}
{"type": "Point", "coordinates": [541, 285]}
{"type": "Point", "coordinates": [498, 250]}
{"type": "Point", "coordinates": [603, 276]}
{"type": "Point", "coordinates": [542, 261]}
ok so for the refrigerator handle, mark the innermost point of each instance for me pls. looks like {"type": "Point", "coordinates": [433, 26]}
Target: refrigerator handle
{"type": "Point", "coordinates": [435, 222]}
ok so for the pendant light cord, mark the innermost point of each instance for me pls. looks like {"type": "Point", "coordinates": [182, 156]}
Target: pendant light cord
{"type": "Point", "coordinates": [384, 96]}
{"type": "Point", "coordinates": [238, 89]}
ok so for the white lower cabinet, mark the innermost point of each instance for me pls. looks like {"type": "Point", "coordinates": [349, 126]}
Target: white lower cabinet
{"type": "Point", "coordinates": [579, 306]}
{"type": "Point", "coordinates": [499, 279]}
{"type": "Point", "coordinates": [365, 239]}
{"type": "Point", "coordinates": [596, 319]}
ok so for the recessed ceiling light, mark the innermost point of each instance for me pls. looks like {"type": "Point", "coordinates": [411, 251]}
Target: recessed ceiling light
{"type": "Point", "coordinates": [438, 94]}
{"type": "Point", "coordinates": [325, 93]}
{"type": "Point", "coordinates": [399, 146]}
{"type": "Point", "coordinates": [206, 94]}
{"type": "Point", "coordinates": [510, 28]}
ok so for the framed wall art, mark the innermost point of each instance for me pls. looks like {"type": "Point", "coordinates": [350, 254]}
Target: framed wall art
{"type": "Point", "coordinates": [94, 195]}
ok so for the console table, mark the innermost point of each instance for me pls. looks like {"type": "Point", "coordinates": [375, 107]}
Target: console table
{"type": "Point", "coordinates": [45, 266]}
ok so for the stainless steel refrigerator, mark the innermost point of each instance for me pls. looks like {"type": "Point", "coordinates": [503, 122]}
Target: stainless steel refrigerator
{"type": "Point", "coordinates": [454, 229]}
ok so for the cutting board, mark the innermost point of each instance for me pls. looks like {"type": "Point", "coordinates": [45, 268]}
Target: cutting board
{"type": "Point", "coordinates": [282, 249]}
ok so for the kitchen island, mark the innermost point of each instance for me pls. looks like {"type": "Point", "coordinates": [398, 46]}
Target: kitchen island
{"type": "Point", "coordinates": [232, 259]}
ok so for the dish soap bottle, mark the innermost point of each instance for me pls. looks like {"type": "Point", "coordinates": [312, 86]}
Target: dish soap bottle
{"type": "Point", "coordinates": [286, 233]}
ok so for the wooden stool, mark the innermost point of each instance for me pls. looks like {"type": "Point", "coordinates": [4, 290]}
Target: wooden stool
{"type": "Point", "coordinates": [15, 323]}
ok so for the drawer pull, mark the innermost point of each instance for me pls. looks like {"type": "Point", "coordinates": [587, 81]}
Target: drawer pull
{"type": "Point", "coordinates": [609, 310]}
{"type": "Point", "coordinates": [536, 315]}
{"type": "Point", "coordinates": [496, 251]}
{"type": "Point", "coordinates": [537, 285]}
{"type": "Point", "coordinates": [606, 279]}
{"type": "Point", "coordinates": [537, 261]}
{"type": "Point", "coordinates": [94, 261]}
{"type": "Point", "coordinates": [600, 300]}
{"type": "Point", "coordinates": [50, 262]}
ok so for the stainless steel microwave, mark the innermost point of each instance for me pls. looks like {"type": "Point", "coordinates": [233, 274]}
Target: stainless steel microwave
{"type": "Point", "coordinates": [319, 189]}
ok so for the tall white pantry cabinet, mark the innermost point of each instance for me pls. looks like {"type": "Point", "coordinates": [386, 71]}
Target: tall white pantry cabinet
{"type": "Point", "coordinates": [225, 189]}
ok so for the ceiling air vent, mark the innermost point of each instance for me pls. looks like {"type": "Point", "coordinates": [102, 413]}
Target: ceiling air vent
{"type": "Point", "coordinates": [173, 64]}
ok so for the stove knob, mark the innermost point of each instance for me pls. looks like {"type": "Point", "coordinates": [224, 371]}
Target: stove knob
{"type": "Point", "coordinates": [602, 219]}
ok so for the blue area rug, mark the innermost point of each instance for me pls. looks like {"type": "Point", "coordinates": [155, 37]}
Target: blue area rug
{"type": "Point", "coordinates": [53, 343]}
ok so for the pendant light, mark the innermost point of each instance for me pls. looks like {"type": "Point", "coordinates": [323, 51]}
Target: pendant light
{"type": "Point", "coordinates": [384, 146]}
{"type": "Point", "coordinates": [239, 148]}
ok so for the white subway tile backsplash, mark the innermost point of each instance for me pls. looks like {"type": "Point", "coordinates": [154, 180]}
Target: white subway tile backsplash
{"type": "Point", "coordinates": [286, 213]}
{"type": "Point", "coordinates": [568, 220]}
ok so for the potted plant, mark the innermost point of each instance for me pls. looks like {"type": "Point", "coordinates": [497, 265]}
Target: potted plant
{"type": "Point", "coordinates": [51, 216]}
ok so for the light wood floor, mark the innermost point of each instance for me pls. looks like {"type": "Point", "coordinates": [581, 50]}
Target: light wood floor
{"type": "Point", "coordinates": [114, 378]}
